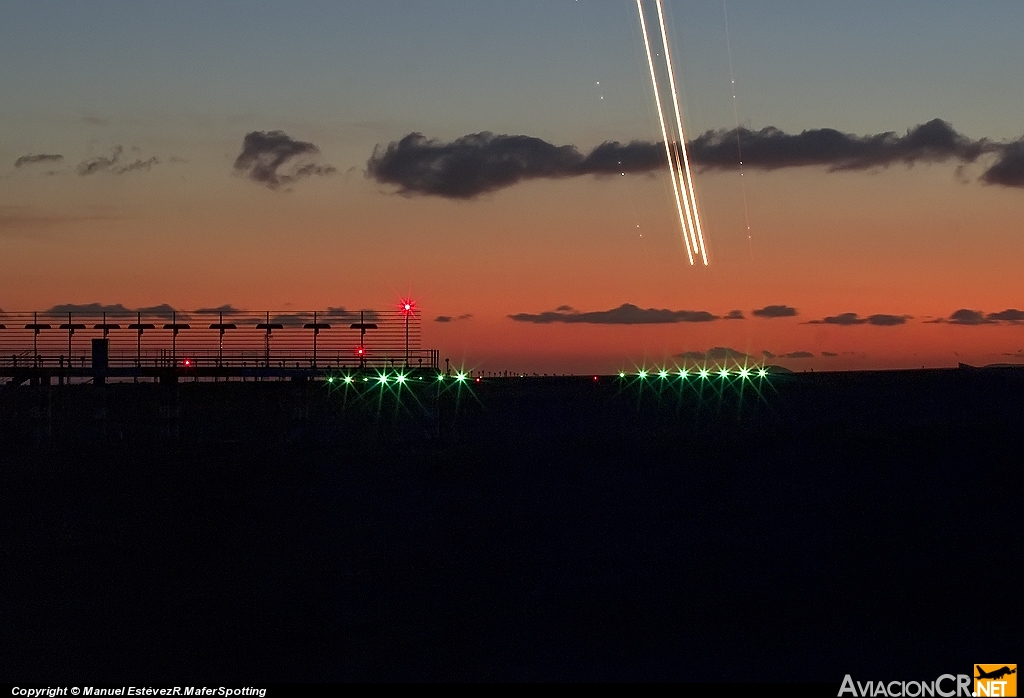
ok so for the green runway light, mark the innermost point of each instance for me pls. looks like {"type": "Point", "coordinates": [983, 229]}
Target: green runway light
{"type": "Point", "coordinates": [440, 377]}
{"type": "Point", "coordinates": [761, 373]}
{"type": "Point", "coordinates": [348, 380]}
{"type": "Point", "coordinates": [724, 373]}
{"type": "Point", "coordinates": [704, 373]}
{"type": "Point", "coordinates": [622, 374]}
{"type": "Point", "coordinates": [400, 378]}
{"type": "Point", "coordinates": [461, 377]}
{"type": "Point", "coordinates": [330, 380]}
{"type": "Point", "coordinates": [365, 379]}
{"type": "Point", "coordinates": [744, 373]}
{"type": "Point", "coordinates": [682, 373]}
{"type": "Point", "coordinates": [663, 374]}
{"type": "Point", "coordinates": [642, 375]}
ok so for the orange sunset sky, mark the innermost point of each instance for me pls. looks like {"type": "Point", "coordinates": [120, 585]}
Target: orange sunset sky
{"type": "Point", "coordinates": [179, 88]}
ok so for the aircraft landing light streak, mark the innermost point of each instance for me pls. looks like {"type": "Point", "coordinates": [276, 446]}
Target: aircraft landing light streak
{"type": "Point", "coordinates": [682, 180]}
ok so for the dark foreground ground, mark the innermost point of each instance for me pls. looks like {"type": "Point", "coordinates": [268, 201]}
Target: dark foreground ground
{"type": "Point", "coordinates": [532, 530]}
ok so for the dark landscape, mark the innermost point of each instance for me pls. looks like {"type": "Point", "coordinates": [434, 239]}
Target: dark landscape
{"type": "Point", "coordinates": [513, 529]}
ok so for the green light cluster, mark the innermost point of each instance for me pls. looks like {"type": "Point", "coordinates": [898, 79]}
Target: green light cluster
{"type": "Point", "coordinates": [706, 379]}
{"type": "Point", "coordinates": [742, 372]}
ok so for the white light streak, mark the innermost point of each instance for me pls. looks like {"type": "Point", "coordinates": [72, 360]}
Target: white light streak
{"type": "Point", "coordinates": [664, 130]}
{"type": "Point", "coordinates": [679, 124]}
{"type": "Point", "coordinates": [678, 160]}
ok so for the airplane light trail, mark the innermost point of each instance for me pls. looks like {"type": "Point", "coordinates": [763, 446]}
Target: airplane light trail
{"type": "Point", "coordinates": [682, 179]}
{"type": "Point", "coordinates": [664, 131]}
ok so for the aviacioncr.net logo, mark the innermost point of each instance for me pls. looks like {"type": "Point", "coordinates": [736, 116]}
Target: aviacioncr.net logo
{"type": "Point", "coordinates": [946, 686]}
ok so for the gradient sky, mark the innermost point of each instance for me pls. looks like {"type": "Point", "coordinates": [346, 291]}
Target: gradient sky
{"type": "Point", "coordinates": [184, 82]}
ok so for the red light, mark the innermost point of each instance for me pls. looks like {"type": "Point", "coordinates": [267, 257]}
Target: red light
{"type": "Point", "coordinates": [477, 380]}
{"type": "Point", "coordinates": [407, 306]}
{"type": "Point", "coordinates": [188, 362]}
{"type": "Point", "coordinates": [360, 351]}
{"type": "Point", "coordinates": [595, 377]}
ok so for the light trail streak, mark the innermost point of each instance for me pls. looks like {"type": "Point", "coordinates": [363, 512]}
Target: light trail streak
{"type": "Point", "coordinates": [676, 184]}
{"type": "Point", "coordinates": [682, 138]}
{"type": "Point", "coordinates": [675, 151]}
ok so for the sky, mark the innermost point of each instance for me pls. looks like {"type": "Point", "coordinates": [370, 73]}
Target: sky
{"type": "Point", "coordinates": [264, 155]}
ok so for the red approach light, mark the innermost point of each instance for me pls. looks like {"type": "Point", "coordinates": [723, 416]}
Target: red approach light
{"type": "Point", "coordinates": [186, 363]}
{"type": "Point", "coordinates": [407, 306]}
{"type": "Point", "coordinates": [477, 380]}
{"type": "Point", "coordinates": [595, 378]}
{"type": "Point", "coordinates": [360, 351]}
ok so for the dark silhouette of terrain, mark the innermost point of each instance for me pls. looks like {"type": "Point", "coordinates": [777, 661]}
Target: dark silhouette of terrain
{"type": "Point", "coordinates": [549, 529]}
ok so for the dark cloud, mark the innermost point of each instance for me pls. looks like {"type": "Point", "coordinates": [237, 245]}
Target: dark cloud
{"type": "Point", "coordinates": [768, 354]}
{"type": "Point", "coordinates": [33, 159]}
{"type": "Point", "coordinates": [114, 165]}
{"type": "Point", "coordinates": [848, 319]}
{"type": "Point", "coordinates": [625, 314]}
{"type": "Point", "coordinates": [844, 319]}
{"type": "Point", "coordinates": [1008, 170]}
{"type": "Point", "coordinates": [884, 320]}
{"type": "Point", "coordinates": [965, 316]}
{"type": "Point", "coordinates": [443, 318]}
{"type": "Point", "coordinates": [1010, 315]}
{"type": "Point", "coordinates": [774, 311]}
{"type": "Point", "coordinates": [115, 309]}
{"type": "Point", "coordinates": [797, 355]}
{"type": "Point", "coordinates": [265, 154]}
{"type": "Point", "coordinates": [99, 163]}
{"type": "Point", "coordinates": [314, 170]}
{"type": "Point", "coordinates": [734, 315]}
{"type": "Point", "coordinates": [227, 309]}
{"type": "Point", "coordinates": [771, 149]}
{"type": "Point", "coordinates": [828, 354]}
{"type": "Point", "coordinates": [449, 318]}
{"type": "Point", "coordinates": [485, 162]}
{"type": "Point", "coordinates": [714, 354]}
{"type": "Point", "coordinates": [470, 165]}
{"type": "Point", "coordinates": [162, 310]}
{"type": "Point", "coordinates": [292, 319]}
{"type": "Point", "coordinates": [351, 316]}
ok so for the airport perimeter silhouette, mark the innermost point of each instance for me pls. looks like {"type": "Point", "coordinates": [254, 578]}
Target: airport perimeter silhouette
{"type": "Point", "coordinates": [512, 529]}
